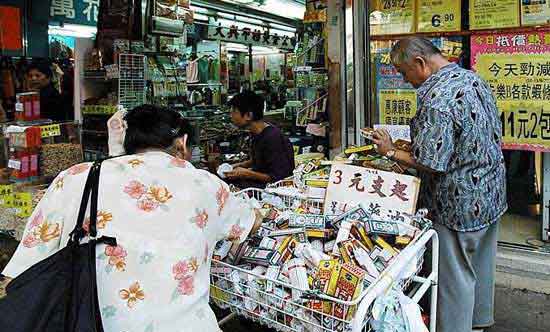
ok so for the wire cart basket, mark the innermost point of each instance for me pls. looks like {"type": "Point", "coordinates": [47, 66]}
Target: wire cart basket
{"type": "Point", "coordinates": [283, 307]}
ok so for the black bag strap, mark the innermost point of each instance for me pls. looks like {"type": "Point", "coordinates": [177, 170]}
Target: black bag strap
{"type": "Point", "coordinates": [90, 188]}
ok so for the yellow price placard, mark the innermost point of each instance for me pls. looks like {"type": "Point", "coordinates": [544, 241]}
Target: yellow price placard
{"type": "Point", "coordinates": [50, 130]}
{"type": "Point", "coordinates": [439, 15]}
{"type": "Point", "coordinates": [8, 200]}
{"type": "Point", "coordinates": [23, 203]}
{"type": "Point", "coordinates": [494, 14]}
{"type": "Point", "coordinates": [397, 106]}
{"type": "Point", "coordinates": [391, 17]}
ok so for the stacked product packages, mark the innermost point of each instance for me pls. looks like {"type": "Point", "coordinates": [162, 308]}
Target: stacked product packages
{"type": "Point", "coordinates": [302, 270]}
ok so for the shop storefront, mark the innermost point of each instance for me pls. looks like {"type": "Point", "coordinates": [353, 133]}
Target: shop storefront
{"type": "Point", "coordinates": [507, 43]}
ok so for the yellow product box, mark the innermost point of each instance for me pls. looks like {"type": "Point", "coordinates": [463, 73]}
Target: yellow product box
{"type": "Point", "coordinates": [385, 245]}
{"type": "Point", "coordinates": [327, 277]}
{"type": "Point", "coordinates": [359, 232]}
{"type": "Point", "coordinates": [348, 287]}
{"type": "Point", "coordinates": [319, 233]}
{"type": "Point", "coordinates": [317, 183]}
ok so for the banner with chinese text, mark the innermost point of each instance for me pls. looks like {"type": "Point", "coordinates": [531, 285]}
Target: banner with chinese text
{"type": "Point", "coordinates": [517, 67]}
{"type": "Point", "coordinates": [494, 14]}
{"type": "Point", "coordinates": [350, 186]}
{"type": "Point", "coordinates": [439, 15]}
{"type": "Point", "coordinates": [251, 36]}
{"type": "Point", "coordinates": [82, 12]}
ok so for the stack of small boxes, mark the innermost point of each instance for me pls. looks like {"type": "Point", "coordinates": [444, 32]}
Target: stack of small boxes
{"type": "Point", "coordinates": [338, 256]}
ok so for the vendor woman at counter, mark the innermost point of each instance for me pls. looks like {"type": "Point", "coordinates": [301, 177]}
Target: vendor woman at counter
{"type": "Point", "coordinates": [271, 153]}
{"type": "Point", "coordinates": [53, 106]}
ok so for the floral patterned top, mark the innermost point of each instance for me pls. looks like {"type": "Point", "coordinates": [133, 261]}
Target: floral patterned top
{"type": "Point", "coordinates": [166, 216]}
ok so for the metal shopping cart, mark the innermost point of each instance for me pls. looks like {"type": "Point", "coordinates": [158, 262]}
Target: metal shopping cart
{"type": "Point", "coordinates": [274, 303]}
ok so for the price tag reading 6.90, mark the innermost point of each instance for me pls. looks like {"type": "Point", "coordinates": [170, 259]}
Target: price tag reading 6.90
{"type": "Point", "coordinates": [436, 19]}
{"type": "Point", "coordinates": [439, 15]}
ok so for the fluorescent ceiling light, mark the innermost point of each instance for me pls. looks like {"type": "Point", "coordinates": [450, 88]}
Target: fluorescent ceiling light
{"type": "Point", "coordinates": [73, 30]}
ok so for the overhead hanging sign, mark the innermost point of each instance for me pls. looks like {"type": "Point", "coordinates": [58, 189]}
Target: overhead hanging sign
{"type": "Point", "coordinates": [517, 67]}
{"type": "Point", "coordinates": [83, 12]}
{"type": "Point", "coordinates": [350, 186]}
{"type": "Point", "coordinates": [439, 15]}
{"type": "Point", "coordinates": [494, 14]}
{"type": "Point", "coordinates": [251, 36]}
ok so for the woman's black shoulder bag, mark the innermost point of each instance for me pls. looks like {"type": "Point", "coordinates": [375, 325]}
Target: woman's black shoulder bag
{"type": "Point", "coordinates": [59, 294]}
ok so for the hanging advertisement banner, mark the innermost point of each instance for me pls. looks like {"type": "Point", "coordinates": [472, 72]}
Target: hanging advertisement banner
{"type": "Point", "coordinates": [439, 15]}
{"type": "Point", "coordinates": [517, 67]}
{"type": "Point", "coordinates": [390, 17]}
{"type": "Point", "coordinates": [396, 100]}
{"type": "Point", "coordinates": [494, 14]}
{"type": "Point", "coordinates": [535, 12]}
{"type": "Point", "coordinates": [251, 36]}
{"type": "Point", "coordinates": [10, 29]}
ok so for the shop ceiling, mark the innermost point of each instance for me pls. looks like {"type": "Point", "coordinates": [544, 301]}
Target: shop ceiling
{"type": "Point", "coordinates": [258, 9]}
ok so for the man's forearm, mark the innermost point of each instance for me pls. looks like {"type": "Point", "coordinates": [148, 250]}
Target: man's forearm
{"type": "Point", "coordinates": [406, 158]}
{"type": "Point", "coordinates": [4, 281]}
{"type": "Point", "coordinates": [258, 176]}
{"type": "Point", "coordinates": [244, 164]}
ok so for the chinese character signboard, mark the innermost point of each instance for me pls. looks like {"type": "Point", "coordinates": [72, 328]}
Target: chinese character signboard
{"type": "Point", "coordinates": [250, 36]}
{"type": "Point", "coordinates": [439, 15]}
{"type": "Point", "coordinates": [75, 11]}
{"type": "Point", "coordinates": [535, 12]}
{"type": "Point", "coordinates": [396, 107]}
{"type": "Point", "coordinates": [494, 14]}
{"type": "Point", "coordinates": [517, 67]}
{"type": "Point", "coordinates": [350, 186]}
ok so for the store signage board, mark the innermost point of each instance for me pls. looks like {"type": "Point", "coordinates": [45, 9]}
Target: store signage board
{"type": "Point", "coordinates": [494, 14]}
{"type": "Point", "coordinates": [439, 15]}
{"type": "Point", "coordinates": [350, 186]}
{"type": "Point", "coordinates": [517, 68]}
{"type": "Point", "coordinates": [82, 12]}
{"type": "Point", "coordinates": [535, 12]}
{"type": "Point", "coordinates": [250, 36]}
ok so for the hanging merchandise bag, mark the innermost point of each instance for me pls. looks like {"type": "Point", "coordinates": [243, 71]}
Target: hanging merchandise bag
{"type": "Point", "coordinates": [59, 294]}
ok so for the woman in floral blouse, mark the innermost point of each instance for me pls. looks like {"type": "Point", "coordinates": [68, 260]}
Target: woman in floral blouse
{"type": "Point", "coordinates": [166, 216]}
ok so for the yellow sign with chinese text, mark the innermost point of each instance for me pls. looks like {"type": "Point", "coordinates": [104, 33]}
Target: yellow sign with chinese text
{"type": "Point", "coordinates": [50, 130]}
{"type": "Point", "coordinates": [6, 195]}
{"type": "Point", "coordinates": [439, 15]}
{"type": "Point", "coordinates": [23, 203]}
{"type": "Point", "coordinates": [390, 17]}
{"type": "Point", "coordinates": [521, 85]}
{"type": "Point", "coordinates": [397, 106]}
{"type": "Point", "coordinates": [494, 14]}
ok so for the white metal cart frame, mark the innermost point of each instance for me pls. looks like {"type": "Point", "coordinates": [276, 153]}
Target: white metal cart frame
{"type": "Point", "coordinates": [262, 305]}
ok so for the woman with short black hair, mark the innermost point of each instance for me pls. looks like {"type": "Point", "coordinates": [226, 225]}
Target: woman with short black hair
{"type": "Point", "coordinates": [52, 105]}
{"type": "Point", "coordinates": [166, 216]}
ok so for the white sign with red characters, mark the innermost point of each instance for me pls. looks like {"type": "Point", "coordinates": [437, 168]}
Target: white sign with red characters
{"type": "Point", "coordinates": [351, 185]}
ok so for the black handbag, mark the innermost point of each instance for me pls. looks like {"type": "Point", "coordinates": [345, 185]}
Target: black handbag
{"type": "Point", "coordinates": [60, 292]}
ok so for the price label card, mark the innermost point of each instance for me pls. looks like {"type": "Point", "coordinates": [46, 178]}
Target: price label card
{"type": "Point", "coordinates": [6, 189]}
{"type": "Point", "coordinates": [23, 203]}
{"type": "Point", "coordinates": [50, 130]}
{"type": "Point", "coordinates": [14, 164]}
{"type": "Point", "coordinates": [439, 15]}
{"type": "Point", "coordinates": [7, 200]}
